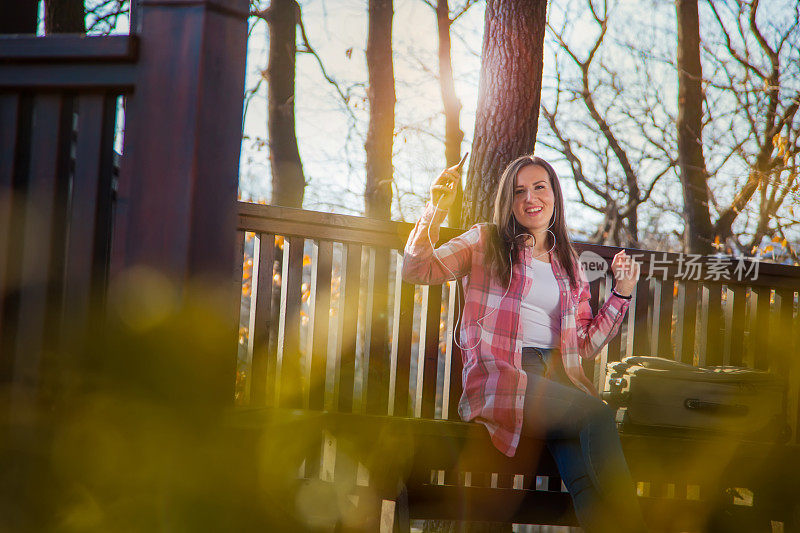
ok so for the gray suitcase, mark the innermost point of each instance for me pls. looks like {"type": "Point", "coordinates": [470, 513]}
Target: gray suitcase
{"type": "Point", "coordinates": [652, 393]}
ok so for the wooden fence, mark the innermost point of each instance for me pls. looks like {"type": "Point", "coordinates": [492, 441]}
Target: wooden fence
{"type": "Point", "coordinates": [327, 322]}
{"type": "Point", "coordinates": [58, 114]}
{"type": "Point", "coordinates": [328, 325]}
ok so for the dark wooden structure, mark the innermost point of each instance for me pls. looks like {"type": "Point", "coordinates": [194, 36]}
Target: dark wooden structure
{"type": "Point", "coordinates": [341, 363]}
{"type": "Point", "coordinates": [68, 220]}
{"type": "Point", "coordinates": [334, 333]}
{"type": "Point", "coordinates": [116, 152]}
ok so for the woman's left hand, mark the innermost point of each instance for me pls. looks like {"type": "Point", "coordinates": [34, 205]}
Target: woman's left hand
{"type": "Point", "coordinates": [626, 273]}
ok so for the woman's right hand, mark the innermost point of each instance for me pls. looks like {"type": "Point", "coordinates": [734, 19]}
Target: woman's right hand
{"type": "Point", "coordinates": [443, 189]}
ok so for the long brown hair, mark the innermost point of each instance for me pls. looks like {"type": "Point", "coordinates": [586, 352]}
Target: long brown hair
{"type": "Point", "coordinates": [508, 236]}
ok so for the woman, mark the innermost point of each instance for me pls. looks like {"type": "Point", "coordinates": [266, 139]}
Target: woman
{"type": "Point", "coordinates": [525, 326]}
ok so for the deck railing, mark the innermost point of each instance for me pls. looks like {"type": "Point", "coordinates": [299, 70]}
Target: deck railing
{"type": "Point", "coordinates": [68, 220]}
{"type": "Point", "coordinates": [327, 323]}
{"type": "Point", "coordinates": [59, 103]}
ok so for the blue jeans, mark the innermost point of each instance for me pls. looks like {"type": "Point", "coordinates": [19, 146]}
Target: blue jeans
{"type": "Point", "coordinates": [581, 434]}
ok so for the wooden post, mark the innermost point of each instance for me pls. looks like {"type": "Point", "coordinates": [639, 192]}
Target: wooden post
{"type": "Point", "coordinates": [176, 209]}
{"type": "Point", "coordinates": [178, 182]}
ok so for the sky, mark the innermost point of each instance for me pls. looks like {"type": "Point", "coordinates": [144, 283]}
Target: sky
{"type": "Point", "coordinates": [332, 152]}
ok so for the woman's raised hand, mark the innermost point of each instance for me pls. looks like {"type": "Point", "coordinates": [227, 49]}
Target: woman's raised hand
{"type": "Point", "coordinates": [443, 189]}
{"type": "Point", "coordinates": [626, 273]}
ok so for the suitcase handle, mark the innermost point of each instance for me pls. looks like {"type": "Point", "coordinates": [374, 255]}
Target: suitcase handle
{"type": "Point", "coordinates": [716, 408]}
{"type": "Point", "coordinates": [616, 382]}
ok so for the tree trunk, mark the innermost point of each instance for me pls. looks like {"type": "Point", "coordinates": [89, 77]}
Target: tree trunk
{"type": "Point", "coordinates": [378, 191]}
{"type": "Point", "coordinates": [694, 176]}
{"type": "Point", "coordinates": [508, 109]}
{"type": "Point", "coordinates": [288, 181]}
{"type": "Point", "coordinates": [64, 16]}
{"type": "Point", "coordinates": [452, 107]}
{"type": "Point", "coordinates": [18, 16]}
{"type": "Point", "coordinates": [508, 98]}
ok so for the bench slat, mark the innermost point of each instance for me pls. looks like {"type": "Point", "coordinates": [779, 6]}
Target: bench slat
{"type": "Point", "coordinates": [430, 362]}
{"type": "Point", "coordinates": [712, 300]}
{"type": "Point", "coordinates": [641, 314]}
{"type": "Point", "coordinates": [505, 481]}
{"type": "Point", "coordinates": [348, 337]}
{"type": "Point", "coordinates": [615, 349]}
{"type": "Point", "coordinates": [782, 351]}
{"type": "Point", "coordinates": [11, 111]}
{"type": "Point", "coordinates": [290, 393]}
{"type": "Point", "coordinates": [39, 264]}
{"type": "Point", "coordinates": [454, 359]}
{"type": "Point", "coordinates": [687, 315]}
{"type": "Point", "coordinates": [554, 483]}
{"type": "Point", "coordinates": [320, 305]}
{"type": "Point", "coordinates": [761, 328]}
{"type": "Point", "coordinates": [317, 346]}
{"type": "Point", "coordinates": [377, 393]}
{"type": "Point", "coordinates": [104, 218]}
{"type": "Point", "coordinates": [401, 341]}
{"type": "Point", "coordinates": [346, 467]}
{"type": "Point", "coordinates": [263, 367]}
{"type": "Point", "coordinates": [90, 209]}
{"type": "Point", "coordinates": [739, 295]}
{"type": "Point", "coordinates": [600, 362]}
{"type": "Point", "coordinates": [664, 293]}
{"type": "Point", "coordinates": [594, 301]}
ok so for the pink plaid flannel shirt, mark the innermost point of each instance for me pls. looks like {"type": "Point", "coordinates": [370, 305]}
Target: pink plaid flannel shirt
{"type": "Point", "coordinates": [494, 382]}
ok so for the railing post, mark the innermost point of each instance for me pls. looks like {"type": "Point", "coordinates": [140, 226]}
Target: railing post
{"type": "Point", "coordinates": [176, 208]}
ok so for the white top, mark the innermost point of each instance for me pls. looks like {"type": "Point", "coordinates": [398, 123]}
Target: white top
{"type": "Point", "coordinates": [540, 310]}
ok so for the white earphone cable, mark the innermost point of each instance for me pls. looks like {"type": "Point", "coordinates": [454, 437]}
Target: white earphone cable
{"type": "Point", "coordinates": [459, 288]}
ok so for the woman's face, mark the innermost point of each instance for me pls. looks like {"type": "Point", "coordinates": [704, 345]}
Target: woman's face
{"type": "Point", "coordinates": [533, 198]}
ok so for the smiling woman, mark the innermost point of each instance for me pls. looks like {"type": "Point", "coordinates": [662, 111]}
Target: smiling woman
{"type": "Point", "coordinates": [525, 326]}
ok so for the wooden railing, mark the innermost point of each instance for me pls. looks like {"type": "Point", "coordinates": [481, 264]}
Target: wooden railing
{"type": "Point", "coordinates": [327, 323]}
{"type": "Point", "coordinates": [59, 103]}
{"type": "Point", "coordinates": [77, 204]}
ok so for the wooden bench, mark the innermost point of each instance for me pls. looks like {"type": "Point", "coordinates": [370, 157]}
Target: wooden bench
{"type": "Point", "coordinates": [337, 349]}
